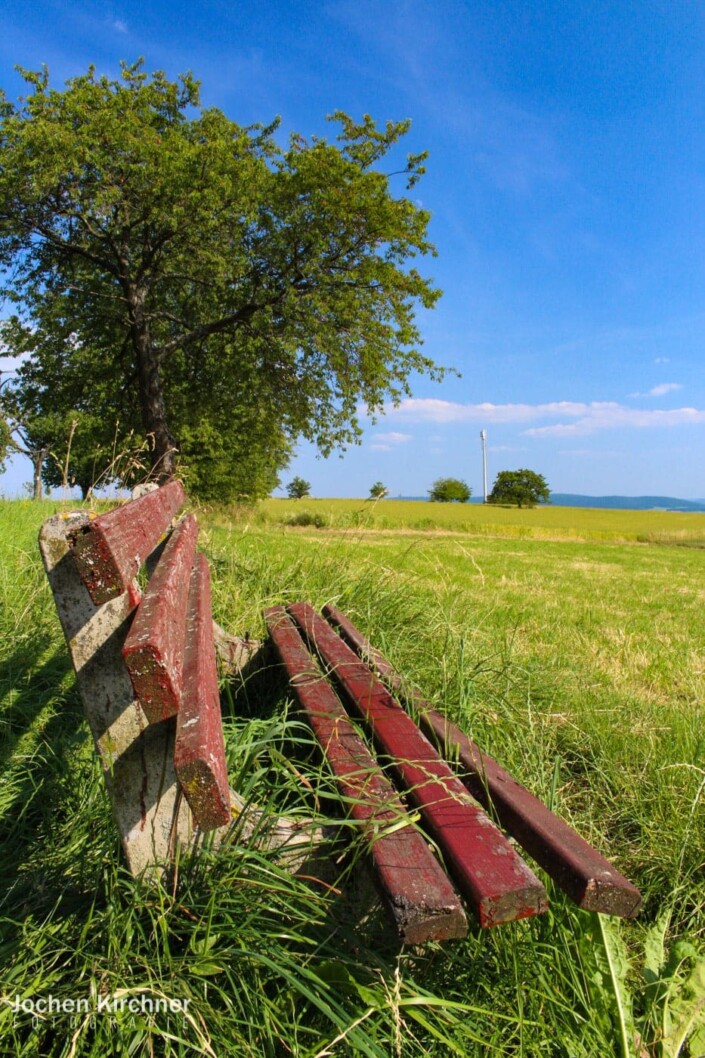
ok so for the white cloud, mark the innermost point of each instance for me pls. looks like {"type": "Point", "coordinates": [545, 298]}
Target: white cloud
{"type": "Point", "coordinates": [662, 360]}
{"type": "Point", "coordinates": [664, 388]}
{"type": "Point", "coordinates": [445, 411]}
{"type": "Point", "coordinates": [659, 391]}
{"type": "Point", "coordinates": [583, 418]}
{"type": "Point", "coordinates": [119, 25]}
{"type": "Point", "coordinates": [393, 438]}
{"type": "Point", "coordinates": [616, 416]}
{"type": "Point", "coordinates": [380, 448]}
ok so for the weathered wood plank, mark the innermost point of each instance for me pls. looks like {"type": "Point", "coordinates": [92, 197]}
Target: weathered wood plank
{"type": "Point", "coordinates": [199, 753]}
{"type": "Point", "coordinates": [579, 869]}
{"type": "Point", "coordinates": [136, 759]}
{"type": "Point", "coordinates": [154, 647]}
{"type": "Point", "coordinates": [421, 898]}
{"type": "Point", "coordinates": [110, 549]}
{"type": "Point", "coordinates": [496, 881]}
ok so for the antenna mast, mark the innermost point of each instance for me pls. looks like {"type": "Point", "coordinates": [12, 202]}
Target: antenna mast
{"type": "Point", "coordinates": [483, 438]}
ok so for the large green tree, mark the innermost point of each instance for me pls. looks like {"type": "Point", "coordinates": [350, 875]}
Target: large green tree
{"type": "Point", "coordinates": [525, 488]}
{"type": "Point", "coordinates": [204, 275]}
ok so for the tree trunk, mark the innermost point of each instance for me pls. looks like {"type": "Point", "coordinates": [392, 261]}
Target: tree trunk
{"type": "Point", "coordinates": [38, 457]}
{"type": "Point", "coordinates": [151, 392]}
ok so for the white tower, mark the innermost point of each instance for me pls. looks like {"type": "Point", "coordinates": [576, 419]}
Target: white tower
{"type": "Point", "coordinates": [483, 438]}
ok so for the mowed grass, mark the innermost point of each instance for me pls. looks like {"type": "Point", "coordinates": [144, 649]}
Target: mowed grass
{"type": "Point", "coordinates": [570, 650]}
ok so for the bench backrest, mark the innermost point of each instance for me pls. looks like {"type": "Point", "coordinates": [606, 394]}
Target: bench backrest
{"type": "Point", "coordinates": [150, 760]}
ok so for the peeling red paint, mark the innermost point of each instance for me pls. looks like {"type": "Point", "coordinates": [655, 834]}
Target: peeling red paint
{"type": "Point", "coordinates": [488, 871]}
{"type": "Point", "coordinates": [199, 753]}
{"type": "Point", "coordinates": [154, 647]}
{"type": "Point", "coordinates": [579, 869]}
{"type": "Point", "coordinates": [110, 550]}
{"type": "Point", "coordinates": [421, 898]}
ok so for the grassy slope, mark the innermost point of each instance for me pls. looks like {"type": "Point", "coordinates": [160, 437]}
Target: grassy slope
{"type": "Point", "coordinates": [578, 664]}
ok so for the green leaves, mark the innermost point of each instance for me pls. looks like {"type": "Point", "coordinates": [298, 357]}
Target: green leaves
{"type": "Point", "coordinates": [525, 488]}
{"type": "Point", "coordinates": [159, 235]}
{"type": "Point", "coordinates": [675, 991]}
{"type": "Point", "coordinates": [665, 1019]}
{"type": "Point", "coordinates": [298, 488]}
{"type": "Point", "coordinates": [5, 441]}
{"type": "Point", "coordinates": [449, 490]}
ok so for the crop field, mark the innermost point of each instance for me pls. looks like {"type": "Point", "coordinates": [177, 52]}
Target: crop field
{"type": "Point", "coordinates": [569, 643]}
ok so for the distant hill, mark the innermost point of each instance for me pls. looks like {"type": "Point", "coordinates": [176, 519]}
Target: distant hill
{"type": "Point", "coordinates": [627, 503]}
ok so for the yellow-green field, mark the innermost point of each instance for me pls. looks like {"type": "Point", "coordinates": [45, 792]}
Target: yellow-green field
{"type": "Point", "coordinates": [579, 523]}
{"type": "Point", "coordinates": [570, 643]}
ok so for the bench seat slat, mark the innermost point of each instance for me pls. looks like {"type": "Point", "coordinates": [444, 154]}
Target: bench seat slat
{"type": "Point", "coordinates": [110, 549]}
{"type": "Point", "coordinates": [579, 869]}
{"type": "Point", "coordinates": [199, 753]}
{"type": "Point", "coordinates": [423, 902]}
{"type": "Point", "coordinates": [154, 647]}
{"type": "Point", "coordinates": [496, 881]}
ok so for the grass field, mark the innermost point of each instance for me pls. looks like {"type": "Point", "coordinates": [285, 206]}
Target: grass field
{"type": "Point", "coordinates": [541, 523]}
{"type": "Point", "coordinates": [569, 643]}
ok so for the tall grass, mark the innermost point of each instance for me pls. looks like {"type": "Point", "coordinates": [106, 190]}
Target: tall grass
{"type": "Point", "coordinates": [524, 649]}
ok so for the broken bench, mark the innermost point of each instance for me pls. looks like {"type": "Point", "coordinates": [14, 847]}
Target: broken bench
{"type": "Point", "coordinates": [145, 660]}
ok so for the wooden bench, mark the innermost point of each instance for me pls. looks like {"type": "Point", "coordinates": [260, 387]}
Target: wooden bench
{"type": "Point", "coordinates": [333, 669]}
{"type": "Point", "coordinates": [146, 670]}
{"type": "Point", "coordinates": [145, 661]}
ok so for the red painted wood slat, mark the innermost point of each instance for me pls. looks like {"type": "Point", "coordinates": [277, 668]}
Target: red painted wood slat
{"type": "Point", "coordinates": [199, 753]}
{"type": "Point", "coordinates": [579, 869]}
{"type": "Point", "coordinates": [154, 647]}
{"type": "Point", "coordinates": [422, 900]}
{"type": "Point", "coordinates": [110, 549]}
{"type": "Point", "coordinates": [498, 884]}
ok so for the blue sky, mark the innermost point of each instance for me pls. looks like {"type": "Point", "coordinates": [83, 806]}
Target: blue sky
{"type": "Point", "coordinates": [566, 182]}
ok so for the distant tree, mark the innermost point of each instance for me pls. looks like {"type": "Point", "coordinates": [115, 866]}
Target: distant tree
{"type": "Point", "coordinates": [449, 490]}
{"type": "Point", "coordinates": [525, 488]}
{"type": "Point", "coordinates": [378, 491]}
{"type": "Point", "coordinates": [298, 488]}
{"type": "Point", "coordinates": [22, 432]}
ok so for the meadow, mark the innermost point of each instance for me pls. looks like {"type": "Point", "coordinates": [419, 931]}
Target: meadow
{"type": "Point", "coordinates": [568, 643]}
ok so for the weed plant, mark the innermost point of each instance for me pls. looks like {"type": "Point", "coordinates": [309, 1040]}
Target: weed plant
{"type": "Point", "coordinates": [577, 664]}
